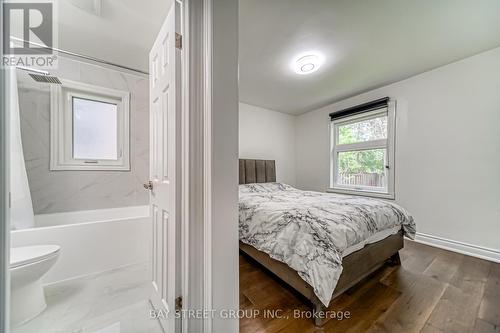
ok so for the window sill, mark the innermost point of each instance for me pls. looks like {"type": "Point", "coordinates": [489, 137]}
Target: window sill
{"type": "Point", "coordinates": [89, 167]}
{"type": "Point", "coordinates": [362, 193]}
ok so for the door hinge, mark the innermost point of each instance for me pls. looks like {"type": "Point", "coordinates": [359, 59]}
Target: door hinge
{"type": "Point", "coordinates": [178, 303]}
{"type": "Point", "coordinates": [178, 41]}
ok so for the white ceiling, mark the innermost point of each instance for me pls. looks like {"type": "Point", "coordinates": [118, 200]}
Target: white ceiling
{"type": "Point", "coordinates": [123, 33]}
{"type": "Point", "coordinates": [366, 44]}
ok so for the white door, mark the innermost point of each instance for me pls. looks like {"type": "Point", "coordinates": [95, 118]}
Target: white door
{"type": "Point", "coordinates": [164, 69]}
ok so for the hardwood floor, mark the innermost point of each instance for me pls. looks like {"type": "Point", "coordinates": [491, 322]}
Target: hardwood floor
{"type": "Point", "coordinates": [432, 291]}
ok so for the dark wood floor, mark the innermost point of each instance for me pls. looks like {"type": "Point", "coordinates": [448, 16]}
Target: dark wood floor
{"type": "Point", "coordinates": [432, 291]}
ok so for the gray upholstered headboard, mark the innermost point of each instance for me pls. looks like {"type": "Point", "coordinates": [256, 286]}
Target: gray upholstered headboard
{"type": "Point", "coordinates": [257, 171]}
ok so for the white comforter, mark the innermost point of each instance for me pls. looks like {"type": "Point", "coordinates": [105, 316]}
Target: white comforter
{"type": "Point", "coordinates": [309, 231]}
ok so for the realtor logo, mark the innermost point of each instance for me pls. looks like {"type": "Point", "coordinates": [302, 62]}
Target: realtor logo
{"type": "Point", "coordinates": [29, 34]}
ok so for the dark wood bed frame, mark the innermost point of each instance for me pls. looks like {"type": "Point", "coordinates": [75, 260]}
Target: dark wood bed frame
{"type": "Point", "coordinates": [356, 266]}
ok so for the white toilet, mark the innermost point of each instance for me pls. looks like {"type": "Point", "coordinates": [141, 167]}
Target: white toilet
{"type": "Point", "coordinates": [28, 265]}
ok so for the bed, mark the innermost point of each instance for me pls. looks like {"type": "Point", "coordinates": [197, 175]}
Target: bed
{"type": "Point", "coordinates": [308, 240]}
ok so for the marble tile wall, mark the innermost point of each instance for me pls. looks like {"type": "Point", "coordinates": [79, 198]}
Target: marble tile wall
{"type": "Point", "coordinates": [63, 191]}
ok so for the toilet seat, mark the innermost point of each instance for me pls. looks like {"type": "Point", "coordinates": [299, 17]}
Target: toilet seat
{"type": "Point", "coordinates": [20, 256]}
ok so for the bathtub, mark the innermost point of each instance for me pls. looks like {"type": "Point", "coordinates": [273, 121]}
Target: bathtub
{"type": "Point", "coordinates": [91, 241]}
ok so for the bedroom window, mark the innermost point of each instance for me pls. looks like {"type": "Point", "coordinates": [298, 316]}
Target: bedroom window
{"type": "Point", "coordinates": [362, 149]}
{"type": "Point", "coordinates": [89, 128]}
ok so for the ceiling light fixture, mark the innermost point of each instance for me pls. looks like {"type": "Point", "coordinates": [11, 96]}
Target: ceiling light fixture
{"type": "Point", "coordinates": [307, 63]}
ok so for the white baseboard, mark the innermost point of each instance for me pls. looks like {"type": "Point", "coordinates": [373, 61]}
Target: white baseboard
{"type": "Point", "coordinates": [459, 247]}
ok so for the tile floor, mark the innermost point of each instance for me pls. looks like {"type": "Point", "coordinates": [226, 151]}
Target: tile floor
{"type": "Point", "coordinates": [112, 302]}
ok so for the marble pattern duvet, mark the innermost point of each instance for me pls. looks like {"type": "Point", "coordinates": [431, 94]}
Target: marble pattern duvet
{"type": "Point", "coordinates": [309, 231]}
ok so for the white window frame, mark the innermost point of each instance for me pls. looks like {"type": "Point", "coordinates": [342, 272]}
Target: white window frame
{"type": "Point", "coordinates": [61, 126]}
{"type": "Point", "coordinates": [388, 144]}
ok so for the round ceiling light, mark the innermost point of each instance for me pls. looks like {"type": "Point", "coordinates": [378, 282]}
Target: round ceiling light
{"type": "Point", "coordinates": [307, 63]}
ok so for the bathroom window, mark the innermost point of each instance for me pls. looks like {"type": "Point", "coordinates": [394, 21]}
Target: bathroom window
{"type": "Point", "coordinates": [89, 128]}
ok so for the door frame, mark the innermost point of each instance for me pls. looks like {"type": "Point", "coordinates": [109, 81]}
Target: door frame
{"type": "Point", "coordinates": [4, 207]}
{"type": "Point", "coordinates": [196, 152]}
{"type": "Point", "coordinates": [4, 195]}
{"type": "Point", "coordinates": [211, 160]}
{"type": "Point", "coordinates": [210, 164]}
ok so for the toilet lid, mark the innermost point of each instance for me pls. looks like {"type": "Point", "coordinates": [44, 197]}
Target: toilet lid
{"type": "Point", "coordinates": [29, 254]}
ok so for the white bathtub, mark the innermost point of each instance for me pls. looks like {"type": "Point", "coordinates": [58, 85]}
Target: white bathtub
{"type": "Point", "coordinates": [91, 241]}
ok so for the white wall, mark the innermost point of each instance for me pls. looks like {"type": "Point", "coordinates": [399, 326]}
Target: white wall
{"type": "Point", "coordinates": [270, 135]}
{"type": "Point", "coordinates": [447, 148]}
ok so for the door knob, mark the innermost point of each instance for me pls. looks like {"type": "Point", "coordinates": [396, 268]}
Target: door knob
{"type": "Point", "coordinates": [148, 185]}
